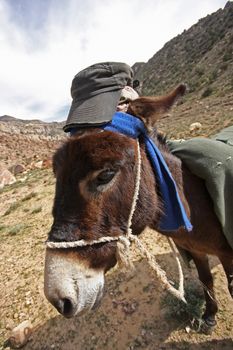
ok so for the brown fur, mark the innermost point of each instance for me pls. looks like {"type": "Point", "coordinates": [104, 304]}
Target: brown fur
{"type": "Point", "coordinates": [86, 212]}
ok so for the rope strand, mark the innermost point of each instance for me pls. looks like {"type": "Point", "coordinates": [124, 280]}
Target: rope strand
{"type": "Point", "coordinates": [80, 243]}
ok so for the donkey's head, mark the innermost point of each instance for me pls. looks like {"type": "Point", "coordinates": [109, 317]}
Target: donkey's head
{"type": "Point", "coordinates": [94, 174]}
{"type": "Point", "coordinates": [95, 180]}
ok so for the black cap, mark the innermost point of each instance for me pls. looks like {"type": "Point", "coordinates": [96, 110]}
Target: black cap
{"type": "Point", "coordinates": [96, 91]}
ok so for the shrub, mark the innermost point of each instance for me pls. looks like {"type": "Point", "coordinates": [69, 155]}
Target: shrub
{"type": "Point", "coordinates": [16, 229]}
{"type": "Point", "coordinates": [227, 56]}
{"type": "Point", "coordinates": [12, 207]}
{"type": "Point", "coordinates": [29, 196]}
{"type": "Point", "coordinates": [223, 66]}
{"type": "Point", "coordinates": [207, 92]}
{"type": "Point", "coordinates": [213, 76]}
{"type": "Point", "coordinates": [2, 227]}
{"type": "Point", "coordinates": [200, 71]}
{"type": "Point", "coordinates": [185, 312]}
{"type": "Point", "coordinates": [36, 210]}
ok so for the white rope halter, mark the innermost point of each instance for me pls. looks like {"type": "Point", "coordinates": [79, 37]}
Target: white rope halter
{"type": "Point", "coordinates": [124, 242]}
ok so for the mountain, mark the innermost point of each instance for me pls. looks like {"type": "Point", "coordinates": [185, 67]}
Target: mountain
{"type": "Point", "coordinates": [27, 141]}
{"type": "Point", "coordinates": [8, 118]}
{"type": "Point", "coordinates": [201, 56]}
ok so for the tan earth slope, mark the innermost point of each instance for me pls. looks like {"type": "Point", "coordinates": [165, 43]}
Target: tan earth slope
{"type": "Point", "coordinates": [135, 312]}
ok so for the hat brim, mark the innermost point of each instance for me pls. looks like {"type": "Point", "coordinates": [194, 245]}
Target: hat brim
{"type": "Point", "coordinates": [94, 111]}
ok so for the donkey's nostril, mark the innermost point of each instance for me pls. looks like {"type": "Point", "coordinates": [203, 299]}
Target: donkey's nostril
{"type": "Point", "coordinates": [65, 306]}
{"type": "Point", "coordinates": [68, 307]}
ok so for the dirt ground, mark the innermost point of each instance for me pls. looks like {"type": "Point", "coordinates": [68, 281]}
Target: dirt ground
{"type": "Point", "coordinates": [135, 312]}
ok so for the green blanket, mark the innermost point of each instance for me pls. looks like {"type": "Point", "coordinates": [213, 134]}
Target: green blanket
{"type": "Point", "coordinates": [212, 160]}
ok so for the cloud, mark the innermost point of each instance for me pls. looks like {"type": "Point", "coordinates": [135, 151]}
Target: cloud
{"type": "Point", "coordinates": [44, 43]}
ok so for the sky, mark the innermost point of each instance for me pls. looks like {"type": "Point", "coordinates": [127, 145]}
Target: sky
{"type": "Point", "coordinates": [44, 43]}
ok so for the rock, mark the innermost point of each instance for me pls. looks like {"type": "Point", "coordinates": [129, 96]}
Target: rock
{"type": "Point", "coordinates": [195, 126]}
{"type": "Point", "coordinates": [23, 179]}
{"type": "Point", "coordinates": [39, 164]}
{"type": "Point", "coordinates": [10, 325]}
{"type": "Point", "coordinates": [20, 335]}
{"type": "Point", "coordinates": [47, 163]}
{"type": "Point", "coordinates": [6, 177]}
{"type": "Point", "coordinates": [17, 169]}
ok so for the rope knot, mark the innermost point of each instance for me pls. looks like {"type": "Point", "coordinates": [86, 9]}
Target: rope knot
{"type": "Point", "coordinates": [123, 252]}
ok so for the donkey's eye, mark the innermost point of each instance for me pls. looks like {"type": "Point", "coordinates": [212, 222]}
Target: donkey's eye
{"type": "Point", "coordinates": [105, 177]}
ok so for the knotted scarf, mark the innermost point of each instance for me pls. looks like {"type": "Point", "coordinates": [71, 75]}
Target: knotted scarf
{"type": "Point", "coordinates": [174, 215]}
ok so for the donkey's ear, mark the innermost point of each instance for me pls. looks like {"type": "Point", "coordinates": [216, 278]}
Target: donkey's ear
{"type": "Point", "coordinates": [150, 109]}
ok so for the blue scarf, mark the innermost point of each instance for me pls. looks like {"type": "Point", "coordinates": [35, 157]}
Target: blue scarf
{"type": "Point", "coordinates": [174, 215]}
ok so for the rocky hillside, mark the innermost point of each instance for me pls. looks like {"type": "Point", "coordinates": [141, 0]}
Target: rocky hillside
{"type": "Point", "coordinates": [201, 56]}
{"type": "Point", "coordinates": [27, 142]}
{"type": "Point", "coordinates": [33, 129]}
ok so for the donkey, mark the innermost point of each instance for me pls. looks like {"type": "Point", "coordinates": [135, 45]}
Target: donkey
{"type": "Point", "coordinates": [95, 181]}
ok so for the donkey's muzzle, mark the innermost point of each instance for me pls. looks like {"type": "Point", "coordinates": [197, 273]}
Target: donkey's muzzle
{"type": "Point", "coordinates": [70, 285]}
